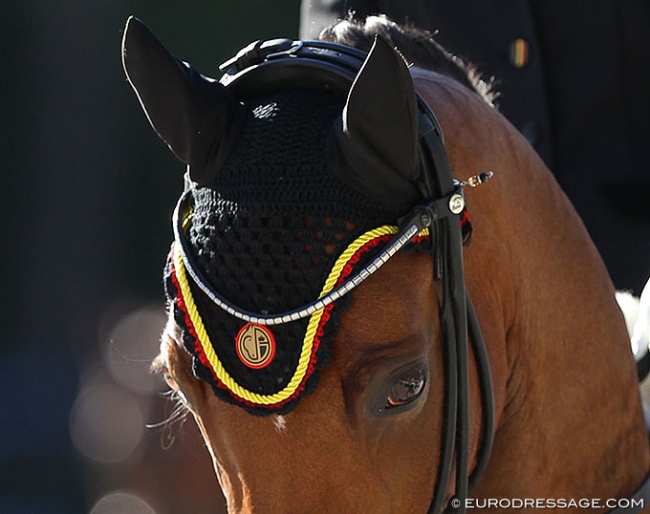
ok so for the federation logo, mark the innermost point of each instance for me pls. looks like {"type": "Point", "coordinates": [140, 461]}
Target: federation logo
{"type": "Point", "coordinates": [255, 346]}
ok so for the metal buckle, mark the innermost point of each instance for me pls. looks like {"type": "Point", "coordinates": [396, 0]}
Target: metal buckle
{"type": "Point", "coordinates": [258, 52]}
{"type": "Point", "coordinates": [293, 49]}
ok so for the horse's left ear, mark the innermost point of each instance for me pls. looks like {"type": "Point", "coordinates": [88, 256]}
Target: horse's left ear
{"type": "Point", "coordinates": [377, 135]}
{"type": "Point", "coordinates": [190, 112]}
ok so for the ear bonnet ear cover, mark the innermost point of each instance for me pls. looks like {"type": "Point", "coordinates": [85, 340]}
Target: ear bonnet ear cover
{"type": "Point", "coordinates": [274, 219]}
{"type": "Point", "coordinates": [267, 234]}
{"type": "Point", "coordinates": [190, 112]}
{"type": "Point", "coordinates": [376, 138]}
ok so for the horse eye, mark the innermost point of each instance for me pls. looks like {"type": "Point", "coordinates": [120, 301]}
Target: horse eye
{"type": "Point", "coordinates": [406, 387]}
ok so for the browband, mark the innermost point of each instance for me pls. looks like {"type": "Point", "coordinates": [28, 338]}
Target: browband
{"type": "Point", "coordinates": [417, 222]}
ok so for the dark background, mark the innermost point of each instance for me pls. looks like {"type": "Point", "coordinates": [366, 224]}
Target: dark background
{"type": "Point", "coordinates": [87, 193]}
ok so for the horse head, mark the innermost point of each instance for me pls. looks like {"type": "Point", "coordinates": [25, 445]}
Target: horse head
{"type": "Point", "coordinates": [317, 286]}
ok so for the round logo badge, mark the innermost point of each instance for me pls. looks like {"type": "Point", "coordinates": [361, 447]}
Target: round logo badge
{"type": "Point", "coordinates": [255, 346]}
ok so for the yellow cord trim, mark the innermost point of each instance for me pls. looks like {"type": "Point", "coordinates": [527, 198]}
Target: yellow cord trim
{"type": "Point", "coordinates": [310, 334]}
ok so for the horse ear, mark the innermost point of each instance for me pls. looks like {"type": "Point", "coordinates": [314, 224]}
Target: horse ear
{"type": "Point", "coordinates": [377, 135]}
{"type": "Point", "coordinates": [190, 112]}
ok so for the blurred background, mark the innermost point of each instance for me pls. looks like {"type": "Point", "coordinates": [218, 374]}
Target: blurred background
{"type": "Point", "coordinates": [87, 197]}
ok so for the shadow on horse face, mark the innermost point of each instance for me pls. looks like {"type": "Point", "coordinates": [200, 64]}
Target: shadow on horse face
{"type": "Point", "coordinates": [368, 437]}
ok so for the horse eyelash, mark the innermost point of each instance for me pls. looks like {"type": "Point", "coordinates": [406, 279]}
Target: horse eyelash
{"type": "Point", "coordinates": [180, 410]}
{"type": "Point", "coordinates": [172, 424]}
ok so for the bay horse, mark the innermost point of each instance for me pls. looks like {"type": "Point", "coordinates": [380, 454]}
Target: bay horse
{"type": "Point", "coordinates": [320, 296]}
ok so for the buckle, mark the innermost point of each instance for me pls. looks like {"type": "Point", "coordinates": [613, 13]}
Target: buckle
{"type": "Point", "coordinates": [424, 215]}
{"type": "Point", "coordinates": [258, 52]}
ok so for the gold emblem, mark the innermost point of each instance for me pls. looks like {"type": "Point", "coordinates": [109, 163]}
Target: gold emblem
{"type": "Point", "coordinates": [255, 346]}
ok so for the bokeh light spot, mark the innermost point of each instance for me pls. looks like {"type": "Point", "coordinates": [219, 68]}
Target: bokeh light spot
{"type": "Point", "coordinates": [106, 423]}
{"type": "Point", "coordinates": [132, 344]}
{"type": "Point", "coordinates": [121, 502]}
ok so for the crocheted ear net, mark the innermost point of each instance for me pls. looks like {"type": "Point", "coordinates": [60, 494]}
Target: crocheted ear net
{"type": "Point", "coordinates": [266, 234]}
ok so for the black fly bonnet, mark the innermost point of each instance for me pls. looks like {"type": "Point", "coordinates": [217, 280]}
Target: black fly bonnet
{"type": "Point", "coordinates": [290, 204]}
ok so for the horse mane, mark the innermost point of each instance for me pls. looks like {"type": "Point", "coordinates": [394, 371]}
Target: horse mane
{"type": "Point", "coordinates": [417, 47]}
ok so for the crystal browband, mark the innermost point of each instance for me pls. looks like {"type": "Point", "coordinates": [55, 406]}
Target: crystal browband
{"type": "Point", "coordinates": [420, 219]}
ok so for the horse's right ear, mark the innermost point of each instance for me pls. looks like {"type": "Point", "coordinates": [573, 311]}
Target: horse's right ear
{"type": "Point", "coordinates": [190, 112]}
